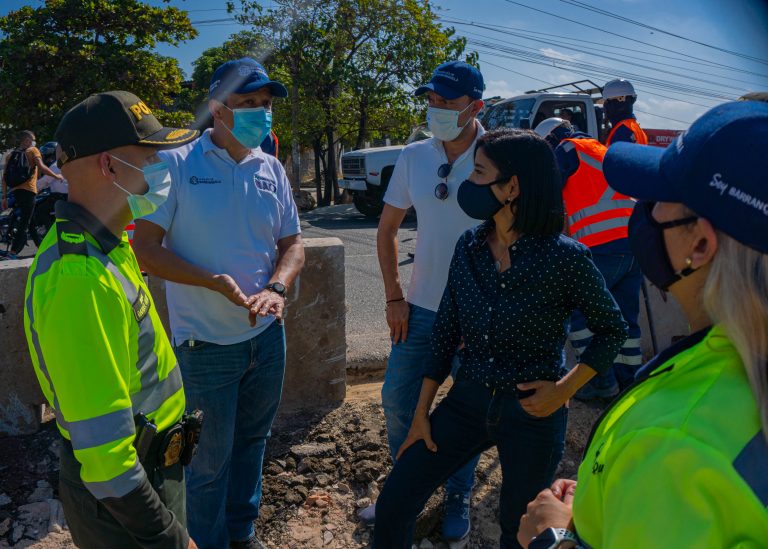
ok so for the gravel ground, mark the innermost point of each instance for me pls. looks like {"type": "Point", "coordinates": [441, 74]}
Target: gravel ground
{"type": "Point", "coordinates": [319, 470]}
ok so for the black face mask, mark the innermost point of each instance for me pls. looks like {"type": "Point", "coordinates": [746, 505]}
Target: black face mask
{"type": "Point", "coordinates": [478, 201]}
{"type": "Point", "coordinates": [616, 111]}
{"type": "Point", "coordinates": [646, 237]}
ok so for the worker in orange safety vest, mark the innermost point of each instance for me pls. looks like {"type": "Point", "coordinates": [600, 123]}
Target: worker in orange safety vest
{"type": "Point", "coordinates": [619, 99]}
{"type": "Point", "coordinates": [598, 217]}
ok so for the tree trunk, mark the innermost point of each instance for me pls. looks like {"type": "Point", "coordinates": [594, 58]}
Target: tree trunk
{"type": "Point", "coordinates": [362, 123]}
{"type": "Point", "coordinates": [318, 148]}
{"type": "Point", "coordinates": [331, 183]}
{"type": "Point", "coordinates": [295, 145]}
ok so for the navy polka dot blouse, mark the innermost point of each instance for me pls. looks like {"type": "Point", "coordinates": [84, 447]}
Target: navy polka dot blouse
{"type": "Point", "coordinates": [514, 324]}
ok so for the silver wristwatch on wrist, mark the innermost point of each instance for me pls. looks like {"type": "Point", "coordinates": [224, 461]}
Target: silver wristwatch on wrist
{"type": "Point", "coordinates": [554, 538]}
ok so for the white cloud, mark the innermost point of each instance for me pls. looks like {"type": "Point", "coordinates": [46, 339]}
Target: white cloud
{"type": "Point", "coordinates": [501, 88]}
{"type": "Point", "coordinates": [554, 54]}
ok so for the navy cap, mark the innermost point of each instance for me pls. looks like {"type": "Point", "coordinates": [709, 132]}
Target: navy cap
{"type": "Point", "coordinates": [455, 79]}
{"type": "Point", "coordinates": [244, 75]}
{"type": "Point", "coordinates": [717, 168]}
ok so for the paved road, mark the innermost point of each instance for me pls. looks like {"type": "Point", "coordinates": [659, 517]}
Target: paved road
{"type": "Point", "coordinates": [367, 331]}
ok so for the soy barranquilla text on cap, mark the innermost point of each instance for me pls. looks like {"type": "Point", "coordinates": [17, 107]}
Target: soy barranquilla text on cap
{"type": "Point", "coordinates": [717, 168]}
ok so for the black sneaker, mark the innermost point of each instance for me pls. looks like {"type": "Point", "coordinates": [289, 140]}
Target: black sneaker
{"type": "Point", "coordinates": [251, 543]}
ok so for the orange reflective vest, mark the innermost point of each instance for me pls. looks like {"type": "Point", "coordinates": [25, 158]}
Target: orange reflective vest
{"type": "Point", "coordinates": [631, 123]}
{"type": "Point", "coordinates": [596, 213]}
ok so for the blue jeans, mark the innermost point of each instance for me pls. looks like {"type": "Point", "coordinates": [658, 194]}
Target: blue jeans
{"type": "Point", "coordinates": [238, 388]}
{"type": "Point", "coordinates": [469, 420]}
{"type": "Point", "coordinates": [623, 278]}
{"type": "Point", "coordinates": [402, 385]}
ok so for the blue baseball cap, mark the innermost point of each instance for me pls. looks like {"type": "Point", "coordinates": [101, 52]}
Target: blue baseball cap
{"type": "Point", "coordinates": [244, 75]}
{"type": "Point", "coordinates": [455, 79]}
{"type": "Point", "coordinates": [717, 168]}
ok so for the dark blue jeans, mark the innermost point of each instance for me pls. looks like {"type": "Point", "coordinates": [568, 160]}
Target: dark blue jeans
{"type": "Point", "coordinates": [623, 278]}
{"type": "Point", "coordinates": [238, 388]}
{"type": "Point", "coordinates": [469, 420]}
{"type": "Point", "coordinates": [402, 385]}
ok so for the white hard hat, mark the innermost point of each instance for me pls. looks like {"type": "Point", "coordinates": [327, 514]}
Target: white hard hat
{"type": "Point", "coordinates": [546, 127]}
{"type": "Point", "coordinates": [618, 88]}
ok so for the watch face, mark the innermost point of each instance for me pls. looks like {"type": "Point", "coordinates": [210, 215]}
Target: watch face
{"type": "Point", "coordinates": [546, 540]}
{"type": "Point", "coordinates": [277, 287]}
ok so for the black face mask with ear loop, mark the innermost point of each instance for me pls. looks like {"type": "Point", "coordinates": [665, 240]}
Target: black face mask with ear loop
{"type": "Point", "coordinates": [646, 238]}
{"type": "Point", "coordinates": [478, 201]}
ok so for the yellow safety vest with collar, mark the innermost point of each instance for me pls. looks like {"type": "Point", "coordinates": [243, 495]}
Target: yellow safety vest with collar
{"type": "Point", "coordinates": [680, 459]}
{"type": "Point", "coordinates": [99, 349]}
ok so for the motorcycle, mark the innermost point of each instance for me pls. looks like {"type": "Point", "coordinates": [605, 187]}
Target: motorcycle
{"type": "Point", "coordinates": [42, 220]}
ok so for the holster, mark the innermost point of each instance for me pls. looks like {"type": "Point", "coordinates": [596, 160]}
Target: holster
{"type": "Point", "coordinates": [176, 444]}
{"type": "Point", "coordinates": [193, 426]}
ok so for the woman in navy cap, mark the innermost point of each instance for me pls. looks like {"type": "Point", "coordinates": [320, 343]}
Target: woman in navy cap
{"type": "Point", "coordinates": [680, 459]}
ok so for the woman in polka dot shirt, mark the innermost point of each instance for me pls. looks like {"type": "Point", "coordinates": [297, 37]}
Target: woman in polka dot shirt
{"type": "Point", "coordinates": [513, 284]}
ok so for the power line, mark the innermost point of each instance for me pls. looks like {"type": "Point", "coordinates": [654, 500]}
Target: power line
{"type": "Point", "coordinates": [518, 73]}
{"type": "Point", "coordinates": [548, 62]}
{"type": "Point", "coordinates": [610, 72]}
{"type": "Point", "coordinates": [607, 72]}
{"type": "Point", "coordinates": [664, 117]}
{"type": "Point", "coordinates": [208, 21]}
{"type": "Point", "coordinates": [564, 43]}
{"type": "Point", "coordinates": [655, 69]}
{"type": "Point", "coordinates": [605, 31]}
{"type": "Point", "coordinates": [634, 51]}
{"type": "Point", "coordinates": [606, 13]}
{"type": "Point", "coordinates": [552, 84]}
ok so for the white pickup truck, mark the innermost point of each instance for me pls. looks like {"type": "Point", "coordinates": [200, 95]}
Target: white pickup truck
{"type": "Point", "coordinates": [366, 172]}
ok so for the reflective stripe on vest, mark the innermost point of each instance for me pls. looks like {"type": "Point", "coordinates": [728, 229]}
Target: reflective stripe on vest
{"type": "Point", "coordinates": [631, 123]}
{"type": "Point", "coordinates": [119, 424]}
{"type": "Point", "coordinates": [596, 213]}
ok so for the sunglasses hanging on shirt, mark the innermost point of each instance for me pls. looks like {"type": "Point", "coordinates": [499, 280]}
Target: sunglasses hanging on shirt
{"type": "Point", "coordinates": [441, 190]}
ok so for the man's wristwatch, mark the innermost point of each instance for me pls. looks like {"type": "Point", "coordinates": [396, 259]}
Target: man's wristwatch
{"type": "Point", "coordinates": [277, 287]}
{"type": "Point", "coordinates": [553, 538]}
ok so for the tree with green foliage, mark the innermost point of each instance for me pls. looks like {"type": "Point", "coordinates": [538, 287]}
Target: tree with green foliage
{"type": "Point", "coordinates": [55, 55]}
{"type": "Point", "coordinates": [355, 62]}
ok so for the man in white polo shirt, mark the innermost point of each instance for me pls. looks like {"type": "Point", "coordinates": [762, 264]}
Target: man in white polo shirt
{"type": "Point", "coordinates": [427, 176]}
{"type": "Point", "coordinates": [231, 248]}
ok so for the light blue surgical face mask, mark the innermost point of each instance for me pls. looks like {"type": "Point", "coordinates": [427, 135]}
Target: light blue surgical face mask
{"type": "Point", "coordinates": [251, 126]}
{"type": "Point", "coordinates": [158, 177]}
{"type": "Point", "coordinates": [444, 123]}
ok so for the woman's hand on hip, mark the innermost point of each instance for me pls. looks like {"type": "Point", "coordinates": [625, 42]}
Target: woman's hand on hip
{"type": "Point", "coordinates": [549, 397]}
{"type": "Point", "coordinates": [421, 429]}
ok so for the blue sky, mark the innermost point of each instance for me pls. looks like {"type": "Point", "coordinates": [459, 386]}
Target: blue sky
{"type": "Point", "coordinates": [664, 80]}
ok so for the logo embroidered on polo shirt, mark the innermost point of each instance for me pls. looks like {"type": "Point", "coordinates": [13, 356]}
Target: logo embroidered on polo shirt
{"type": "Point", "coordinates": [194, 180]}
{"type": "Point", "coordinates": [264, 184]}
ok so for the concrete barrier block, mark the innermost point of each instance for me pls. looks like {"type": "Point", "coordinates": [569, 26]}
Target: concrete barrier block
{"type": "Point", "coordinates": [315, 326]}
{"type": "Point", "coordinates": [21, 399]}
{"type": "Point", "coordinates": [315, 330]}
